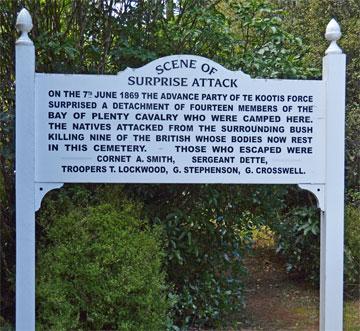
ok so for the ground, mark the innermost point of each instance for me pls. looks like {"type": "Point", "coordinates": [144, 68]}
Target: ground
{"type": "Point", "coordinates": [277, 302]}
{"type": "Point", "coordinates": [274, 300]}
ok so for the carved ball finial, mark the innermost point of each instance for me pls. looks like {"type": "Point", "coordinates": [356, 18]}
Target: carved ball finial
{"type": "Point", "coordinates": [24, 25]}
{"type": "Point", "coordinates": [333, 34]}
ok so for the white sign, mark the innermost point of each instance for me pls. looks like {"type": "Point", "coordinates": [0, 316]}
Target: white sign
{"type": "Point", "coordinates": [179, 119]}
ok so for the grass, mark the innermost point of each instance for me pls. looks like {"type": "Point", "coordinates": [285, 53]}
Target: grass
{"type": "Point", "coordinates": [352, 315]}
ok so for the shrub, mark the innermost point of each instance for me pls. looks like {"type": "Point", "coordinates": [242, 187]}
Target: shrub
{"type": "Point", "coordinates": [299, 241]}
{"type": "Point", "coordinates": [101, 269]}
{"type": "Point", "coordinates": [352, 249]}
{"type": "Point", "coordinates": [208, 231]}
{"type": "Point", "coordinates": [205, 266]}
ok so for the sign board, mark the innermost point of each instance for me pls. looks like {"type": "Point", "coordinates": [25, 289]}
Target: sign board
{"type": "Point", "coordinates": [179, 119]}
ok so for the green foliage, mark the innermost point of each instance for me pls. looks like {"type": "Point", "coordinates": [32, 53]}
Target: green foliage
{"type": "Point", "coordinates": [205, 265]}
{"type": "Point", "coordinates": [208, 229]}
{"type": "Point", "coordinates": [310, 26]}
{"type": "Point", "coordinates": [101, 37]}
{"type": "Point", "coordinates": [353, 147]}
{"type": "Point", "coordinates": [263, 237]}
{"type": "Point", "coordinates": [101, 269]}
{"type": "Point", "coordinates": [264, 48]}
{"type": "Point", "coordinates": [7, 182]}
{"type": "Point", "coordinates": [200, 28]}
{"type": "Point", "coordinates": [299, 241]}
{"type": "Point", "coordinates": [352, 249]}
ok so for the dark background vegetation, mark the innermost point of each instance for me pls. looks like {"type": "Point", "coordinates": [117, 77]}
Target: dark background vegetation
{"type": "Point", "coordinates": [198, 234]}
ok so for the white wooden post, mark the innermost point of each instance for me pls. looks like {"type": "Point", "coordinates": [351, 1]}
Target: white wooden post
{"type": "Point", "coordinates": [25, 154]}
{"type": "Point", "coordinates": [332, 220]}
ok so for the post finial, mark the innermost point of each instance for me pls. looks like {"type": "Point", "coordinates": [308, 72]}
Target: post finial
{"type": "Point", "coordinates": [333, 34]}
{"type": "Point", "coordinates": [24, 25]}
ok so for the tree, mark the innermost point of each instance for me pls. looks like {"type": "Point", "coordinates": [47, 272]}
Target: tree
{"type": "Point", "coordinates": [310, 26]}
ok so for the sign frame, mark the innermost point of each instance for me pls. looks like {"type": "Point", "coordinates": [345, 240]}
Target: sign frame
{"type": "Point", "coordinates": [330, 194]}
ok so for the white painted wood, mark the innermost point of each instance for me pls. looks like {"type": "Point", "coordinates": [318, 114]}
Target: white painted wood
{"type": "Point", "coordinates": [25, 142]}
{"type": "Point", "coordinates": [318, 190]}
{"type": "Point", "coordinates": [333, 34]}
{"type": "Point", "coordinates": [283, 166]}
{"type": "Point", "coordinates": [24, 25]}
{"type": "Point", "coordinates": [41, 189]}
{"type": "Point", "coordinates": [332, 220]}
